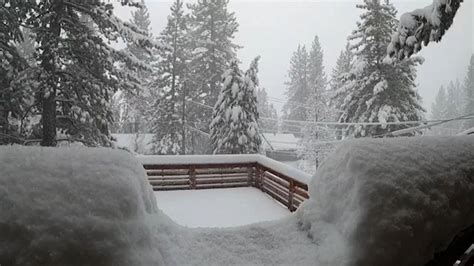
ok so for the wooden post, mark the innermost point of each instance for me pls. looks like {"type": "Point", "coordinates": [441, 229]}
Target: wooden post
{"type": "Point", "coordinates": [258, 178]}
{"type": "Point", "coordinates": [251, 173]}
{"type": "Point", "coordinates": [290, 196]}
{"type": "Point", "coordinates": [192, 177]}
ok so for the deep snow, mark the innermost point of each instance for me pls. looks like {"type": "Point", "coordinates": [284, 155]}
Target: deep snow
{"type": "Point", "coordinates": [220, 207]}
{"type": "Point", "coordinates": [74, 206]}
{"type": "Point", "coordinates": [391, 201]}
{"type": "Point", "coordinates": [373, 202]}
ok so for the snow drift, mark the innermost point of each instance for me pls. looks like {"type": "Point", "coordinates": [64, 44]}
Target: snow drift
{"type": "Point", "coordinates": [75, 206]}
{"type": "Point", "coordinates": [391, 201]}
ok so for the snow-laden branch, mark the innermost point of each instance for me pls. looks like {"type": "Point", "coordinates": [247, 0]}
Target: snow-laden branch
{"type": "Point", "coordinates": [422, 26]}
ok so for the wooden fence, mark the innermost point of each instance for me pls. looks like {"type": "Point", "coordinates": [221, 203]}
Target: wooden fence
{"type": "Point", "coordinates": [285, 189]}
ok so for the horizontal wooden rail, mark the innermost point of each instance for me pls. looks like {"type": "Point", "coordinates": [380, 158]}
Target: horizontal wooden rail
{"type": "Point", "coordinates": [285, 189]}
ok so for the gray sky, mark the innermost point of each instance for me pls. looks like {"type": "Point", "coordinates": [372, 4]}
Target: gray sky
{"type": "Point", "coordinates": [273, 30]}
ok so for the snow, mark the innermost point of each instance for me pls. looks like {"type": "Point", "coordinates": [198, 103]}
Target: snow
{"type": "Point", "coordinates": [220, 207]}
{"type": "Point", "coordinates": [137, 143]}
{"type": "Point", "coordinates": [372, 202]}
{"type": "Point", "coordinates": [391, 201]}
{"type": "Point", "coordinates": [75, 206]}
{"type": "Point", "coordinates": [225, 159]}
{"type": "Point", "coordinates": [422, 26]}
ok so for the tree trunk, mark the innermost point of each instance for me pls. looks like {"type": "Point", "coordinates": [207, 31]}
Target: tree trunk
{"type": "Point", "coordinates": [4, 124]}
{"type": "Point", "coordinates": [48, 121]}
{"type": "Point", "coordinates": [51, 40]}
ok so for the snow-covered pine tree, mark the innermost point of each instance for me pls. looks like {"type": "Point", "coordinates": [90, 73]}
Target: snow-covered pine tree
{"type": "Point", "coordinates": [166, 116]}
{"type": "Point", "coordinates": [422, 26]}
{"type": "Point", "coordinates": [344, 65]}
{"type": "Point", "coordinates": [79, 72]}
{"type": "Point", "coordinates": [297, 91]}
{"type": "Point", "coordinates": [469, 95]}
{"type": "Point", "coordinates": [212, 29]}
{"type": "Point", "coordinates": [439, 108]}
{"type": "Point", "coordinates": [234, 128]}
{"type": "Point", "coordinates": [377, 90]}
{"type": "Point", "coordinates": [134, 104]}
{"type": "Point", "coordinates": [13, 100]}
{"type": "Point", "coordinates": [312, 147]}
{"type": "Point", "coordinates": [267, 112]}
{"type": "Point", "coordinates": [448, 104]}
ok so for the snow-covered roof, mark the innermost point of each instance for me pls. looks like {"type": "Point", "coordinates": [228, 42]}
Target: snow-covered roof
{"type": "Point", "coordinates": [279, 141]}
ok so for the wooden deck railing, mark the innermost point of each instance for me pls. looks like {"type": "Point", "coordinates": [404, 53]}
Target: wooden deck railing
{"type": "Point", "coordinates": [283, 188]}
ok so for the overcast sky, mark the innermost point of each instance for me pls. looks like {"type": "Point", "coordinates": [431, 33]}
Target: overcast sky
{"type": "Point", "coordinates": [273, 30]}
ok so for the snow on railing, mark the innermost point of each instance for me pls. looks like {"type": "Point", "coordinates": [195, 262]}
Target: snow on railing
{"type": "Point", "coordinates": [224, 159]}
{"type": "Point", "coordinates": [284, 183]}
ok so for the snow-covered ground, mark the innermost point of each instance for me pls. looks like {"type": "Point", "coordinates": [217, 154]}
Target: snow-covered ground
{"type": "Point", "coordinates": [219, 207]}
{"type": "Point", "coordinates": [372, 202]}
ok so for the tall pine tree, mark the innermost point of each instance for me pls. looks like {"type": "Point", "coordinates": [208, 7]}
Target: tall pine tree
{"type": "Point", "coordinates": [212, 30]}
{"type": "Point", "coordinates": [167, 115]}
{"type": "Point", "coordinates": [440, 108]}
{"type": "Point", "coordinates": [298, 90]}
{"type": "Point", "coordinates": [234, 128]}
{"type": "Point", "coordinates": [134, 104]}
{"type": "Point", "coordinates": [344, 65]}
{"type": "Point", "coordinates": [311, 148]}
{"type": "Point", "coordinates": [267, 112]}
{"type": "Point", "coordinates": [469, 94]}
{"type": "Point", "coordinates": [78, 72]}
{"type": "Point", "coordinates": [377, 90]}
{"type": "Point", "coordinates": [12, 99]}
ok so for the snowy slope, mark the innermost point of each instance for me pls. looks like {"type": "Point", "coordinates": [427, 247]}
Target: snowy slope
{"type": "Point", "coordinates": [391, 201]}
{"type": "Point", "coordinates": [74, 206]}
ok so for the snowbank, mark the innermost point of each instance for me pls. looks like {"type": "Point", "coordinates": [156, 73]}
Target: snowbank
{"type": "Point", "coordinates": [226, 159]}
{"type": "Point", "coordinates": [75, 206]}
{"type": "Point", "coordinates": [391, 201]}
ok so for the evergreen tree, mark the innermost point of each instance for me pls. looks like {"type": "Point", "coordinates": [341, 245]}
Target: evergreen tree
{"type": "Point", "coordinates": [377, 90]}
{"type": "Point", "coordinates": [298, 90]}
{"type": "Point", "coordinates": [439, 109]}
{"type": "Point", "coordinates": [343, 67]}
{"type": "Point", "coordinates": [212, 30]}
{"type": "Point", "coordinates": [167, 116]}
{"type": "Point", "coordinates": [13, 99]}
{"type": "Point", "coordinates": [311, 149]}
{"type": "Point", "coordinates": [234, 128]}
{"type": "Point", "coordinates": [78, 72]}
{"type": "Point", "coordinates": [469, 95]}
{"type": "Point", "coordinates": [456, 104]}
{"type": "Point", "coordinates": [135, 103]}
{"type": "Point", "coordinates": [267, 112]}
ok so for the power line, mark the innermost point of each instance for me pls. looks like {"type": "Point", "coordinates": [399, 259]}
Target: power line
{"type": "Point", "coordinates": [324, 123]}
{"type": "Point", "coordinates": [417, 128]}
